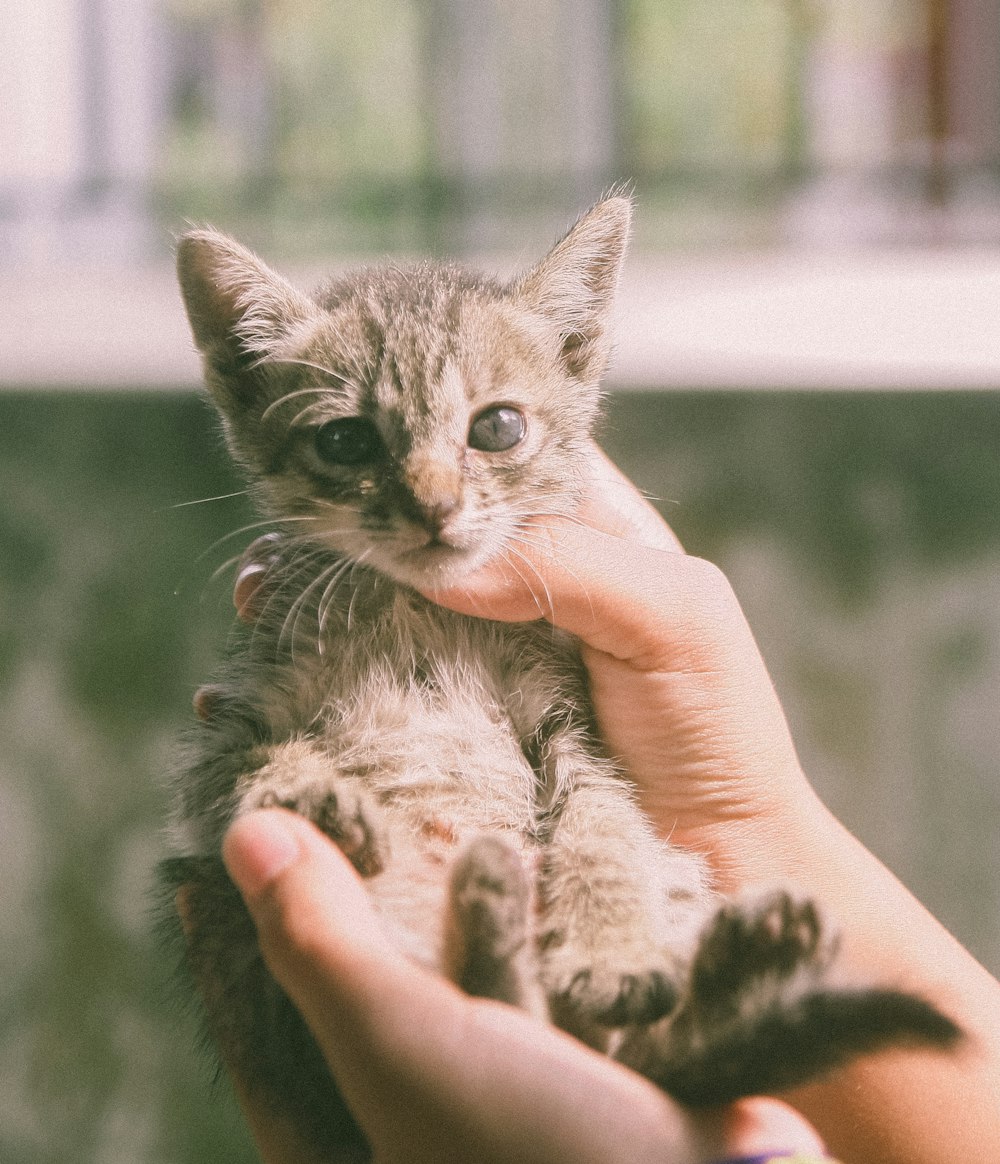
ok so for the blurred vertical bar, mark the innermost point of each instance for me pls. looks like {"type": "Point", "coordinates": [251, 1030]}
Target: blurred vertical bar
{"type": "Point", "coordinates": [41, 136]}
{"type": "Point", "coordinates": [82, 112]}
{"type": "Point", "coordinates": [589, 117]}
{"type": "Point", "coordinates": [121, 114]}
{"type": "Point", "coordinates": [464, 106]}
{"type": "Point", "coordinates": [520, 99]}
{"type": "Point", "coordinates": [938, 101]}
{"type": "Point", "coordinates": [974, 81]}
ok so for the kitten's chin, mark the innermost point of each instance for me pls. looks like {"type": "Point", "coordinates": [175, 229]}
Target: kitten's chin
{"type": "Point", "coordinates": [434, 565]}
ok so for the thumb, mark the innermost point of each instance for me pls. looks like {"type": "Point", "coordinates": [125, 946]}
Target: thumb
{"type": "Point", "coordinates": [309, 905]}
{"type": "Point", "coordinates": [322, 939]}
{"type": "Point", "coordinates": [361, 998]}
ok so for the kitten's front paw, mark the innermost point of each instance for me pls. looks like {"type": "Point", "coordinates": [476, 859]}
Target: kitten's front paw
{"type": "Point", "coordinates": [616, 989]}
{"type": "Point", "coordinates": [298, 778]}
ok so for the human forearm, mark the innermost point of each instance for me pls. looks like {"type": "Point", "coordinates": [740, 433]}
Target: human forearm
{"type": "Point", "coordinates": [902, 1106]}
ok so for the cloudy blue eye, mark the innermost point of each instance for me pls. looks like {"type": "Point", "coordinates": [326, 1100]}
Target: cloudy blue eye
{"type": "Point", "coordinates": [351, 440]}
{"type": "Point", "coordinates": [497, 429]}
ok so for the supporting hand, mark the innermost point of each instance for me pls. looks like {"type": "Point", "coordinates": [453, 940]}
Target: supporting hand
{"type": "Point", "coordinates": [432, 1075]}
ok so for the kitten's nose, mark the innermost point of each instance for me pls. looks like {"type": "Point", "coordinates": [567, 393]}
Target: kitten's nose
{"type": "Point", "coordinates": [434, 516]}
{"type": "Point", "coordinates": [435, 492]}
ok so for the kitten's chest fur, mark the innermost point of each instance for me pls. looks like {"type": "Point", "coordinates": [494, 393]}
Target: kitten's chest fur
{"type": "Point", "coordinates": [417, 700]}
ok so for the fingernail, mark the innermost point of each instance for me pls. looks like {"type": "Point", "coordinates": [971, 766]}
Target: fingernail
{"type": "Point", "coordinates": [258, 848]}
{"type": "Point", "coordinates": [247, 588]}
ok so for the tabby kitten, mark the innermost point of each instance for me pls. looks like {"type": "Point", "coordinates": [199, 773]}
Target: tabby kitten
{"type": "Point", "coordinates": [401, 426]}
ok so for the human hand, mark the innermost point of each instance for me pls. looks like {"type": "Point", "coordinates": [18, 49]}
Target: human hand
{"type": "Point", "coordinates": [682, 696]}
{"type": "Point", "coordinates": [433, 1075]}
{"type": "Point", "coordinates": [684, 700]}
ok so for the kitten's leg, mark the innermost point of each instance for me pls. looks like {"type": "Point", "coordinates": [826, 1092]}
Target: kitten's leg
{"type": "Point", "coordinates": [617, 909]}
{"type": "Point", "coordinates": [758, 1017]}
{"type": "Point", "coordinates": [489, 938]}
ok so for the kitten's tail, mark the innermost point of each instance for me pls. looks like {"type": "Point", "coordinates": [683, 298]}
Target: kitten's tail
{"type": "Point", "coordinates": [783, 1045]}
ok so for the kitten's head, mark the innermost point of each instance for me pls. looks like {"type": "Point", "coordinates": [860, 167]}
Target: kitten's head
{"type": "Point", "coordinates": [411, 418]}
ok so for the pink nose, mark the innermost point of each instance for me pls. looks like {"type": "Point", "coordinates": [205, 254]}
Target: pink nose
{"type": "Point", "coordinates": [434, 488]}
{"type": "Point", "coordinates": [434, 516]}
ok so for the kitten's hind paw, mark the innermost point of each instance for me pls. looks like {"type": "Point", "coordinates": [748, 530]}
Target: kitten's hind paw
{"type": "Point", "coordinates": [756, 946]}
{"type": "Point", "coordinates": [784, 1045]}
{"type": "Point", "coordinates": [611, 991]}
{"type": "Point", "coordinates": [489, 918]}
{"type": "Point", "coordinates": [489, 894]}
{"type": "Point", "coordinates": [757, 1016]}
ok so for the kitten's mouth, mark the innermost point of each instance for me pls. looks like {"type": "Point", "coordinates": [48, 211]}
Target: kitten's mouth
{"type": "Point", "coordinates": [436, 557]}
{"type": "Point", "coordinates": [436, 550]}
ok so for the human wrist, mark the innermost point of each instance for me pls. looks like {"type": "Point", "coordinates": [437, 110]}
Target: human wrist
{"type": "Point", "coordinates": [770, 838]}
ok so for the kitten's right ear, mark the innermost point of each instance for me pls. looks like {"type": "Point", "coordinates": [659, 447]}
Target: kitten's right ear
{"type": "Point", "coordinates": [575, 283]}
{"type": "Point", "coordinates": [240, 310]}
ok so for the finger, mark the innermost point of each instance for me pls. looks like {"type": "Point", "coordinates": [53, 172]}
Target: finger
{"type": "Point", "coordinates": [362, 999]}
{"type": "Point", "coordinates": [298, 885]}
{"type": "Point", "coordinates": [206, 701]}
{"type": "Point", "coordinates": [256, 562]}
{"type": "Point", "coordinates": [766, 1128]}
{"type": "Point", "coordinates": [615, 506]}
{"type": "Point", "coordinates": [652, 608]}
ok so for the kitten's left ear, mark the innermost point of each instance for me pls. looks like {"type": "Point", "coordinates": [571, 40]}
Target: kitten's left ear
{"type": "Point", "coordinates": [575, 284]}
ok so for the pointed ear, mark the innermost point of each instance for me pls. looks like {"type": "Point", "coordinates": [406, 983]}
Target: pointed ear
{"type": "Point", "coordinates": [574, 285]}
{"type": "Point", "coordinates": [240, 310]}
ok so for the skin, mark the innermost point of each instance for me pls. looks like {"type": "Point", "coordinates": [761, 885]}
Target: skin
{"type": "Point", "coordinates": [433, 1076]}
{"type": "Point", "coordinates": [684, 699]}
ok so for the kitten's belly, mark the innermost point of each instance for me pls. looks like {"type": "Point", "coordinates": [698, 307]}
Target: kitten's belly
{"type": "Point", "coordinates": [448, 753]}
{"type": "Point", "coordinates": [442, 769]}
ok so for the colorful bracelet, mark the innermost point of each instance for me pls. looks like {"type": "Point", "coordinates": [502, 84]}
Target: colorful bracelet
{"type": "Point", "coordinates": [778, 1158]}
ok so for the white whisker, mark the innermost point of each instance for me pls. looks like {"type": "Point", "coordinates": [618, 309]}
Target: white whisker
{"type": "Point", "coordinates": [264, 523]}
{"type": "Point", "coordinates": [272, 359]}
{"type": "Point", "coordinates": [509, 550]}
{"type": "Point", "coordinates": [327, 597]}
{"type": "Point", "coordinates": [316, 391]}
{"type": "Point", "coordinates": [289, 625]}
{"type": "Point", "coordinates": [304, 412]}
{"type": "Point", "coordinates": [206, 500]}
{"type": "Point", "coordinates": [281, 577]}
{"type": "Point", "coordinates": [538, 544]}
{"type": "Point", "coordinates": [354, 590]}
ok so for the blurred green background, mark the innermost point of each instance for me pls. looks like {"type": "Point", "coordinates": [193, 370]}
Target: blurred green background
{"type": "Point", "coordinates": [862, 533]}
{"type": "Point", "coordinates": [861, 528]}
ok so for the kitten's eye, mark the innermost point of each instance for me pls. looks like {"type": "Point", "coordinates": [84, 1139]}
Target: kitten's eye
{"type": "Point", "coordinates": [351, 440]}
{"type": "Point", "coordinates": [497, 429]}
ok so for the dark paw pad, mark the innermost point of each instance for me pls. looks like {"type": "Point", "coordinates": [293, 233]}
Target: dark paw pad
{"type": "Point", "coordinates": [620, 1000]}
{"type": "Point", "coordinates": [490, 896]}
{"type": "Point", "coordinates": [345, 817]}
{"type": "Point", "coordinates": [744, 942]}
